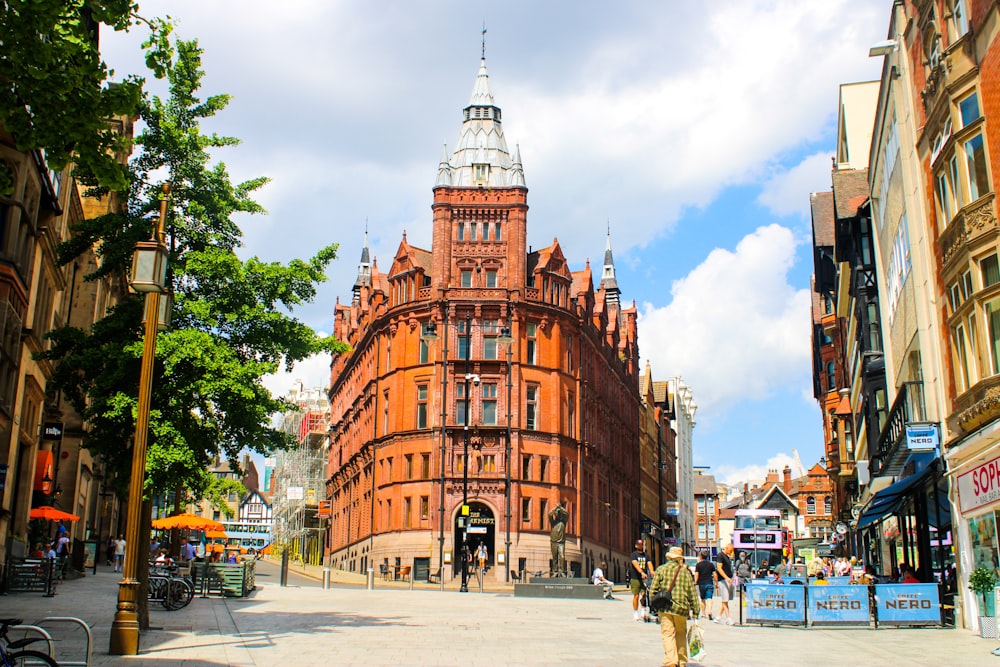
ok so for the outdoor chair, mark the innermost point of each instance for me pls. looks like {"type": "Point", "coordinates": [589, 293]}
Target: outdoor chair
{"type": "Point", "coordinates": [515, 575]}
{"type": "Point", "coordinates": [383, 569]}
{"type": "Point", "coordinates": [404, 573]}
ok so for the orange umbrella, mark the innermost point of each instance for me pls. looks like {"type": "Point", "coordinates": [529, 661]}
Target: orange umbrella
{"type": "Point", "coordinates": [216, 535]}
{"type": "Point", "coordinates": [187, 520]}
{"type": "Point", "coordinates": [50, 513]}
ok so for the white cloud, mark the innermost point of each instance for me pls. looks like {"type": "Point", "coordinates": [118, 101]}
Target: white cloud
{"type": "Point", "coordinates": [734, 328]}
{"type": "Point", "coordinates": [311, 373]}
{"type": "Point", "coordinates": [787, 191]}
{"type": "Point", "coordinates": [751, 474]}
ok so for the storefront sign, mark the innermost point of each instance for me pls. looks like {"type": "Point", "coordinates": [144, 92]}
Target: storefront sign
{"type": "Point", "coordinates": [980, 486]}
{"type": "Point", "coordinates": [776, 603]}
{"type": "Point", "coordinates": [908, 604]}
{"type": "Point", "coordinates": [922, 436]}
{"type": "Point", "coordinates": [839, 605]}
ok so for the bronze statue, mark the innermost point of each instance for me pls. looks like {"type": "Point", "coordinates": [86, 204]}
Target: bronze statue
{"type": "Point", "coordinates": [558, 517]}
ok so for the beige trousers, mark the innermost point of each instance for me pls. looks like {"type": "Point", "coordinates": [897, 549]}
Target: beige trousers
{"type": "Point", "coordinates": [673, 632]}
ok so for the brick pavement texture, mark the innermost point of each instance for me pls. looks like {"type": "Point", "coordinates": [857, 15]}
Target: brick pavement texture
{"type": "Point", "coordinates": [393, 625]}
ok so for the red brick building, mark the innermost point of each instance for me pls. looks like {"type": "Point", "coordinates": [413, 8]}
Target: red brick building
{"type": "Point", "coordinates": [551, 416]}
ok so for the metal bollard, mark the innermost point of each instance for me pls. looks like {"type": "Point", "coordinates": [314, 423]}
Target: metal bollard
{"type": "Point", "coordinates": [371, 578]}
{"type": "Point", "coordinates": [326, 578]}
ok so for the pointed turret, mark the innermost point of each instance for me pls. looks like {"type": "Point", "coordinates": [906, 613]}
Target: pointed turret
{"type": "Point", "coordinates": [364, 271]}
{"type": "Point", "coordinates": [444, 170]}
{"type": "Point", "coordinates": [609, 283]}
{"type": "Point", "coordinates": [481, 157]}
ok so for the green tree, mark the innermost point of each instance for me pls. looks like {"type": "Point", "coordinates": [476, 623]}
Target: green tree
{"type": "Point", "coordinates": [232, 322]}
{"type": "Point", "coordinates": [56, 92]}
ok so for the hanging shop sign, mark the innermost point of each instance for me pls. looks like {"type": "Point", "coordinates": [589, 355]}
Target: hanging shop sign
{"type": "Point", "coordinates": [908, 604]}
{"type": "Point", "coordinates": [839, 605]}
{"type": "Point", "coordinates": [979, 487]}
{"type": "Point", "coordinates": [922, 436]}
{"type": "Point", "coordinates": [776, 603]}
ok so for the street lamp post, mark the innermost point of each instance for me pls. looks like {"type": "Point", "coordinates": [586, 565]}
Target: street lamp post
{"type": "Point", "coordinates": [506, 337]}
{"type": "Point", "coordinates": [149, 270]}
{"type": "Point", "coordinates": [465, 463]}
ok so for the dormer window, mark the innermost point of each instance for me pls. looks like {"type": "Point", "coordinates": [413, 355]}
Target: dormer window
{"type": "Point", "coordinates": [481, 173]}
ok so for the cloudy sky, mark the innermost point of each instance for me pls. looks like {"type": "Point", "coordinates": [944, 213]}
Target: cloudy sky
{"type": "Point", "coordinates": [696, 130]}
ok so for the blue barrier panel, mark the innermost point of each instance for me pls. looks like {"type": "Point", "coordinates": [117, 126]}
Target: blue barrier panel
{"type": "Point", "coordinates": [839, 605]}
{"type": "Point", "coordinates": [838, 580]}
{"type": "Point", "coordinates": [907, 604]}
{"type": "Point", "coordinates": [776, 603]}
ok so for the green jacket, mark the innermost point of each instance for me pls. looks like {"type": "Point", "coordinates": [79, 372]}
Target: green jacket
{"type": "Point", "coordinates": [684, 594]}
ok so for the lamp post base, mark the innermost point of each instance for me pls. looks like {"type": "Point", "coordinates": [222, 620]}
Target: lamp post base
{"type": "Point", "coordinates": [125, 626]}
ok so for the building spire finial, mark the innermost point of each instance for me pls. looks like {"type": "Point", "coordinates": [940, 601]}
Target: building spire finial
{"type": "Point", "coordinates": [484, 40]}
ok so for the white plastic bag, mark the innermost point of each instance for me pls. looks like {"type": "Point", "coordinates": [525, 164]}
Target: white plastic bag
{"type": "Point", "coordinates": [696, 642]}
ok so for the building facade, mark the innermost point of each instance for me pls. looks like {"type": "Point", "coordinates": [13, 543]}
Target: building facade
{"type": "Point", "coordinates": [487, 383]}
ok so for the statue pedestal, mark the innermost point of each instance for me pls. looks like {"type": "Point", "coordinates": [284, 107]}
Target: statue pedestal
{"type": "Point", "coordinates": [559, 587]}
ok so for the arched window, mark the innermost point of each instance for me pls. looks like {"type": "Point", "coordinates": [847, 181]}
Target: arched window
{"type": "Point", "coordinates": [810, 505]}
{"type": "Point", "coordinates": [828, 505]}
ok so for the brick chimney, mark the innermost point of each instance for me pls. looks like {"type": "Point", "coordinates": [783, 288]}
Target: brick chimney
{"type": "Point", "coordinates": [787, 482]}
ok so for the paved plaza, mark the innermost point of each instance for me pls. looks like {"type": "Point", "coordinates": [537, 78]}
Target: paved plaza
{"type": "Point", "coordinates": [303, 624]}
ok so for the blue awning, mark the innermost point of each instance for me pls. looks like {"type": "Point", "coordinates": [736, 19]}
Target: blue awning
{"type": "Point", "coordinates": [888, 500]}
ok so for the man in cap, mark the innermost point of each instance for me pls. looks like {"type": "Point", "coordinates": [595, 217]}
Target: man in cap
{"type": "Point", "coordinates": [675, 576]}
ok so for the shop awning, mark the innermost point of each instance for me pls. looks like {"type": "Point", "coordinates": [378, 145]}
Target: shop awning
{"type": "Point", "coordinates": [889, 499]}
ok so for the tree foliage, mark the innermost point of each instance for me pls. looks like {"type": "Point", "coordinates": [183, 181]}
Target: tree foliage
{"type": "Point", "coordinates": [232, 321]}
{"type": "Point", "coordinates": [56, 92]}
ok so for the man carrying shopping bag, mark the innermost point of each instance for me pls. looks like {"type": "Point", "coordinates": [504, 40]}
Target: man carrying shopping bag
{"type": "Point", "coordinates": [675, 576]}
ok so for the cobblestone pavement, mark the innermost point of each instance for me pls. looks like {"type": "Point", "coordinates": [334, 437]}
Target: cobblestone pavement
{"type": "Point", "coordinates": [304, 624]}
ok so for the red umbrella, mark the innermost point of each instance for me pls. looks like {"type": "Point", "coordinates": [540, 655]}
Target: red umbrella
{"type": "Point", "coordinates": [49, 513]}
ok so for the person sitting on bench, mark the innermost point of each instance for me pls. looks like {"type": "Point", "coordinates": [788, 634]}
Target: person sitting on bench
{"type": "Point", "coordinates": [599, 580]}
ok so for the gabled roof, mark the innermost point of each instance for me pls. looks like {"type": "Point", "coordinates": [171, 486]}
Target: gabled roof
{"type": "Point", "coordinates": [410, 258]}
{"type": "Point", "coordinates": [850, 191]}
{"type": "Point", "coordinates": [553, 260]}
{"type": "Point", "coordinates": [775, 498]}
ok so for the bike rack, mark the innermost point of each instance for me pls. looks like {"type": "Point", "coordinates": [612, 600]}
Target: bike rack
{"type": "Point", "coordinates": [49, 642]}
{"type": "Point", "coordinates": [68, 619]}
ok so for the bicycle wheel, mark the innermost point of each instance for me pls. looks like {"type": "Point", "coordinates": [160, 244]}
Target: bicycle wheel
{"type": "Point", "coordinates": [31, 659]}
{"type": "Point", "coordinates": [179, 593]}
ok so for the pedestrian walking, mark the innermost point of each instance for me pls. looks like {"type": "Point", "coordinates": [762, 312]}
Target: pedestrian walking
{"type": "Point", "coordinates": [675, 576]}
{"type": "Point", "coordinates": [641, 569]}
{"type": "Point", "coordinates": [119, 553]}
{"type": "Point", "coordinates": [706, 580]}
{"type": "Point", "coordinates": [109, 551]}
{"type": "Point", "coordinates": [724, 570]}
{"type": "Point", "coordinates": [482, 555]}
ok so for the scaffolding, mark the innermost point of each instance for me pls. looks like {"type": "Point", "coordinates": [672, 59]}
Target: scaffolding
{"type": "Point", "coordinates": [299, 477]}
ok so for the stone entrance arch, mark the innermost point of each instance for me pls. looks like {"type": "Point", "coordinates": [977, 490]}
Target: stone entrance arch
{"type": "Point", "coordinates": [482, 528]}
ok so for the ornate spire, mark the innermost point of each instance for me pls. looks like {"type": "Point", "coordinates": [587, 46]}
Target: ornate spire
{"type": "Point", "coordinates": [364, 269]}
{"type": "Point", "coordinates": [444, 170]}
{"type": "Point", "coordinates": [481, 157]}
{"type": "Point", "coordinates": [608, 281]}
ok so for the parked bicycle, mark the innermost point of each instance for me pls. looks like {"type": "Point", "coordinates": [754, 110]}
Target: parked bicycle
{"type": "Point", "coordinates": [13, 653]}
{"type": "Point", "coordinates": [169, 588]}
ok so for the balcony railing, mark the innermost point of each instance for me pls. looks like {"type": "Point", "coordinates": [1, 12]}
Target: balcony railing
{"type": "Point", "coordinates": [908, 408]}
